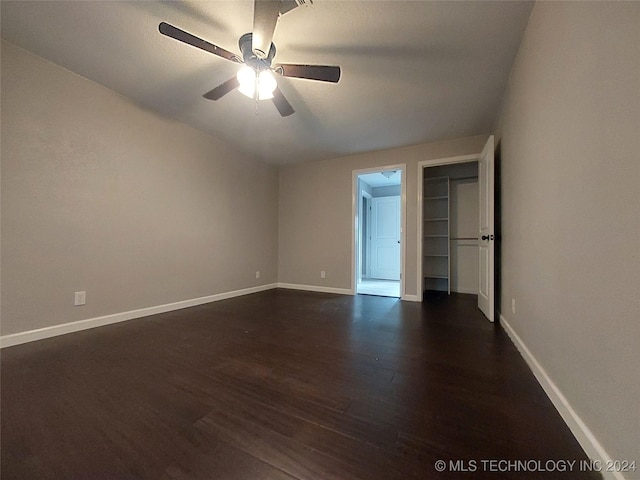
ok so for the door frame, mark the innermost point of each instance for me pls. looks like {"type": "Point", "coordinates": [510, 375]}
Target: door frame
{"type": "Point", "coordinates": [420, 222]}
{"type": "Point", "coordinates": [364, 220]}
{"type": "Point", "coordinates": [355, 198]}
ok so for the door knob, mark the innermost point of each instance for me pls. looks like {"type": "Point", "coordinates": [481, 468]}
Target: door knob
{"type": "Point", "coordinates": [487, 237]}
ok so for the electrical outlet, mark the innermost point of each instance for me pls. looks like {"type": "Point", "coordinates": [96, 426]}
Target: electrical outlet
{"type": "Point", "coordinates": [323, 274]}
{"type": "Point", "coordinates": [257, 273]}
{"type": "Point", "coordinates": [80, 298]}
{"type": "Point", "coordinates": [513, 306]}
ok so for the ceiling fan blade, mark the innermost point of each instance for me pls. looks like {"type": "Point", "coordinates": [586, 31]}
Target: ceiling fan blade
{"type": "Point", "coordinates": [323, 73]}
{"type": "Point", "coordinates": [281, 103]}
{"type": "Point", "coordinates": [222, 89]}
{"type": "Point", "coordinates": [265, 18]}
{"type": "Point", "coordinates": [182, 36]}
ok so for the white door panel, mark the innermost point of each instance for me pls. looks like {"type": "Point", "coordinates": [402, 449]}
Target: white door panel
{"type": "Point", "coordinates": [385, 238]}
{"type": "Point", "coordinates": [486, 233]}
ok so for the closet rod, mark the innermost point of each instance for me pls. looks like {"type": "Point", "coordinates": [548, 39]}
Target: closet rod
{"type": "Point", "coordinates": [464, 238]}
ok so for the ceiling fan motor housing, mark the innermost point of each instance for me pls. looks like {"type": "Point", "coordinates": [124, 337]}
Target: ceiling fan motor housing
{"type": "Point", "coordinates": [250, 58]}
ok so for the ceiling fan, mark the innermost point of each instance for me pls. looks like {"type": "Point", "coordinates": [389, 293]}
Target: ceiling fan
{"type": "Point", "coordinates": [255, 79]}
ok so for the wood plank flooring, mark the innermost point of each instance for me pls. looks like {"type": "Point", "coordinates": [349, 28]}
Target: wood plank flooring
{"type": "Point", "coordinates": [279, 385]}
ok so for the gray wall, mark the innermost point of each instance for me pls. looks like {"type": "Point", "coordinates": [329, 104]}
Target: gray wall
{"type": "Point", "coordinates": [465, 212]}
{"type": "Point", "coordinates": [315, 212]}
{"type": "Point", "coordinates": [569, 147]}
{"type": "Point", "coordinates": [103, 196]}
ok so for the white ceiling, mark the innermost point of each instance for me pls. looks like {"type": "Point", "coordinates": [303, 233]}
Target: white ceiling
{"type": "Point", "coordinates": [412, 72]}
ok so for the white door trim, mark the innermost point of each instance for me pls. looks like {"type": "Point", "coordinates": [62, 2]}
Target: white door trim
{"type": "Point", "coordinates": [403, 221]}
{"type": "Point", "coordinates": [366, 221]}
{"type": "Point", "coordinates": [421, 166]}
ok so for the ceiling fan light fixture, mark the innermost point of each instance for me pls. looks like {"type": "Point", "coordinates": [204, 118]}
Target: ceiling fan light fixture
{"type": "Point", "coordinates": [250, 80]}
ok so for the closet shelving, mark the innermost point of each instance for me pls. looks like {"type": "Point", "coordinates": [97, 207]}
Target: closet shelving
{"type": "Point", "coordinates": [436, 232]}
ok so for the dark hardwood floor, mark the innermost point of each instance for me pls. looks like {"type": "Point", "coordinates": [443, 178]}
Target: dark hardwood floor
{"type": "Point", "coordinates": [280, 385]}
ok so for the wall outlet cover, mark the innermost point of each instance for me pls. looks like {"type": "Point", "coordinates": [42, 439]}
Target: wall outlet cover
{"type": "Point", "coordinates": [80, 298]}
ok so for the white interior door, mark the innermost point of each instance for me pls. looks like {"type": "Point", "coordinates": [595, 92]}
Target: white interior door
{"type": "Point", "coordinates": [385, 238]}
{"type": "Point", "coordinates": [486, 235]}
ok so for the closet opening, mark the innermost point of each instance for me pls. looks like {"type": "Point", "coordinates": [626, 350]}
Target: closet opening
{"type": "Point", "coordinates": [450, 225]}
{"type": "Point", "coordinates": [456, 222]}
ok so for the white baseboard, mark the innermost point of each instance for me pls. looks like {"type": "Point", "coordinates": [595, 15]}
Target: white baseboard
{"type": "Point", "coordinates": [62, 329]}
{"type": "Point", "coordinates": [339, 291]}
{"type": "Point", "coordinates": [411, 298]}
{"type": "Point", "coordinates": [592, 447]}
{"type": "Point", "coordinates": [316, 288]}
{"type": "Point", "coordinates": [468, 291]}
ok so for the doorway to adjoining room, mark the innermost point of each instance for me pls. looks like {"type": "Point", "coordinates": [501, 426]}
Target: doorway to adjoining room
{"type": "Point", "coordinates": [378, 264]}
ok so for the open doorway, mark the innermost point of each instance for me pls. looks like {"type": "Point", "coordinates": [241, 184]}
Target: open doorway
{"type": "Point", "coordinates": [378, 232]}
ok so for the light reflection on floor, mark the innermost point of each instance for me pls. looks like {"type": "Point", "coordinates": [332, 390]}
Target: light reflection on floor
{"type": "Point", "coordinates": [383, 288]}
